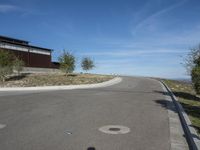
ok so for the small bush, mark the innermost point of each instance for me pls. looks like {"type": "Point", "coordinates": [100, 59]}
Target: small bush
{"type": "Point", "coordinates": [6, 64]}
{"type": "Point", "coordinates": [4, 71]}
{"type": "Point", "coordinates": [18, 65]}
{"type": "Point", "coordinates": [196, 78]}
{"type": "Point", "coordinates": [192, 63]}
{"type": "Point", "coordinates": [67, 62]}
{"type": "Point", "coordinates": [87, 64]}
{"type": "Point", "coordinates": [6, 58]}
{"type": "Point", "coordinates": [192, 59]}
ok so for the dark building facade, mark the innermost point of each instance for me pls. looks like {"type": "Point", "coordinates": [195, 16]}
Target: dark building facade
{"type": "Point", "coordinates": [32, 56]}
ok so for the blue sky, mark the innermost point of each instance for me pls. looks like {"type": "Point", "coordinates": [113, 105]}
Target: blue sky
{"type": "Point", "coordinates": [132, 37]}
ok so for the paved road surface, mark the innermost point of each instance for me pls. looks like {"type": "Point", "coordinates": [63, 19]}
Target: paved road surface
{"type": "Point", "coordinates": [44, 120]}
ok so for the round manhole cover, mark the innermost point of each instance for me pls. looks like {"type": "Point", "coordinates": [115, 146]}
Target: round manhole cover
{"type": "Point", "coordinates": [114, 129]}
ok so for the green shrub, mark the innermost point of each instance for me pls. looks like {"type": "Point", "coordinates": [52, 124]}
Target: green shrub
{"type": "Point", "coordinates": [192, 59]}
{"type": "Point", "coordinates": [197, 61]}
{"type": "Point", "coordinates": [6, 64]}
{"type": "Point", "coordinates": [18, 65]}
{"type": "Point", "coordinates": [87, 64]}
{"type": "Point", "coordinates": [195, 74]}
{"type": "Point", "coordinates": [192, 64]}
{"type": "Point", "coordinates": [6, 58]}
{"type": "Point", "coordinates": [67, 62]}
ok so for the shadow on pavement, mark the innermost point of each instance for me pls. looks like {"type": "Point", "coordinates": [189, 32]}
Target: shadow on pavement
{"type": "Point", "coordinates": [166, 104]}
{"type": "Point", "coordinates": [187, 96]}
{"type": "Point", "coordinates": [91, 148]}
{"type": "Point", "coordinates": [193, 111]}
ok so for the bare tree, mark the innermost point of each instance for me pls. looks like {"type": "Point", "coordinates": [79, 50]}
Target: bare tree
{"type": "Point", "coordinates": [191, 58]}
{"type": "Point", "coordinates": [192, 63]}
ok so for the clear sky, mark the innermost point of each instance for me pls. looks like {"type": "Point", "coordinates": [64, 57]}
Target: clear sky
{"type": "Point", "coordinates": [133, 37]}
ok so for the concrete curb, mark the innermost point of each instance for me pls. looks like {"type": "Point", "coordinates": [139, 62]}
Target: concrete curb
{"type": "Point", "coordinates": [67, 87]}
{"type": "Point", "coordinates": [190, 133]}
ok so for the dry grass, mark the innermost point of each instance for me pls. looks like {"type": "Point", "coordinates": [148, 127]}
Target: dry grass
{"type": "Point", "coordinates": [27, 80]}
{"type": "Point", "coordinates": [188, 99]}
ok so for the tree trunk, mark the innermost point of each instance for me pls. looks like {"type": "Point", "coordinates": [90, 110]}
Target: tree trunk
{"type": "Point", "coordinates": [3, 79]}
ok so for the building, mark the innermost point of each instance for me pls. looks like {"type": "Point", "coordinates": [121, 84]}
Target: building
{"type": "Point", "coordinates": [33, 56]}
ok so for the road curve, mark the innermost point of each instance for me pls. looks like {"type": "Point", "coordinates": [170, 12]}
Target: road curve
{"type": "Point", "coordinates": [70, 120]}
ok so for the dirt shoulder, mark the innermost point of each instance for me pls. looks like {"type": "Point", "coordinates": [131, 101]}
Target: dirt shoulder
{"type": "Point", "coordinates": [32, 80]}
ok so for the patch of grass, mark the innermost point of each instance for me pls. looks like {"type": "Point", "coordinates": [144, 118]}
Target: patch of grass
{"type": "Point", "coordinates": [54, 79]}
{"type": "Point", "coordinates": [188, 99]}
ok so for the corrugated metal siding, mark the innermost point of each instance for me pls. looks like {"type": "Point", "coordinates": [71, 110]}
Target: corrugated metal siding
{"type": "Point", "coordinates": [55, 65]}
{"type": "Point", "coordinates": [26, 48]}
{"type": "Point", "coordinates": [33, 59]}
{"type": "Point", "coordinates": [40, 60]}
{"type": "Point", "coordinates": [22, 56]}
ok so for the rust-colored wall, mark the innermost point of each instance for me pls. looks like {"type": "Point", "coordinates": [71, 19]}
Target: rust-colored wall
{"type": "Point", "coordinates": [21, 55]}
{"type": "Point", "coordinates": [33, 59]}
{"type": "Point", "coordinates": [55, 65]}
{"type": "Point", "coordinates": [40, 60]}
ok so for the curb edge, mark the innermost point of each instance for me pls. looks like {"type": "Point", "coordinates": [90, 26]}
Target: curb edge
{"type": "Point", "coordinates": [113, 81]}
{"type": "Point", "coordinates": [190, 132]}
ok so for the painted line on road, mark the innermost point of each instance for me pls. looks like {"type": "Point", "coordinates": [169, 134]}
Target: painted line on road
{"type": "Point", "coordinates": [2, 126]}
{"type": "Point", "coordinates": [67, 132]}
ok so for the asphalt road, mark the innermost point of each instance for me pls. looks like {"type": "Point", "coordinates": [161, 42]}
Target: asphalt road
{"type": "Point", "coordinates": [70, 120]}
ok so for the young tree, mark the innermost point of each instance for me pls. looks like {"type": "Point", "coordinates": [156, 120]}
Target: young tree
{"type": "Point", "coordinates": [192, 64]}
{"type": "Point", "coordinates": [6, 64]}
{"type": "Point", "coordinates": [196, 79]}
{"type": "Point", "coordinates": [18, 65]}
{"type": "Point", "coordinates": [67, 62]}
{"type": "Point", "coordinates": [87, 64]}
{"type": "Point", "coordinates": [196, 74]}
{"type": "Point", "coordinates": [191, 59]}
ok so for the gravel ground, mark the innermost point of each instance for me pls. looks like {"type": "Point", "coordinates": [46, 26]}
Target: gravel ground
{"type": "Point", "coordinates": [29, 80]}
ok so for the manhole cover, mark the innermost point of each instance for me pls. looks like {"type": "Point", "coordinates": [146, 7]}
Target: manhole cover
{"type": "Point", "coordinates": [114, 129]}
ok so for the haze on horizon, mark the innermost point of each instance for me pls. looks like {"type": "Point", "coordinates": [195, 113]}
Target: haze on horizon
{"type": "Point", "coordinates": [145, 38]}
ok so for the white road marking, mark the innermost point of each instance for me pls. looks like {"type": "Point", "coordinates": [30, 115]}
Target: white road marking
{"type": "Point", "coordinates": [2, 126]}
{"type": "Point", "coordinates": [67, 132]}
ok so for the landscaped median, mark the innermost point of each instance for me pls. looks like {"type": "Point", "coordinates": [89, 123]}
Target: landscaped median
{"type": "Point", "coordinates": [57, 81]}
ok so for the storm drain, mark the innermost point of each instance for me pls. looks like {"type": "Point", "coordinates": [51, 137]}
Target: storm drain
{"type": "Point", "coordinates": [114, 129]}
